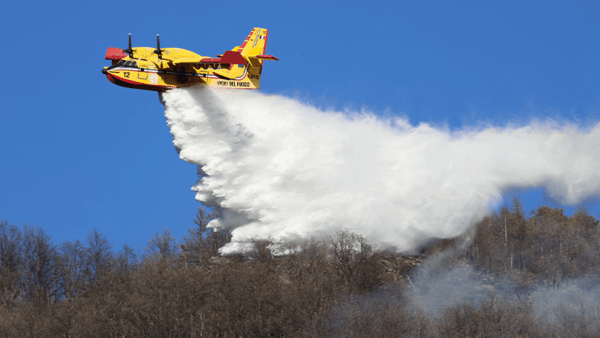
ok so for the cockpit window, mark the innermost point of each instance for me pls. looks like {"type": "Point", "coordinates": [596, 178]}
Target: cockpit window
{"type": "Point", "coordinates": [118, 64]}
{"type": "Point", "coordinates": [124, 63]}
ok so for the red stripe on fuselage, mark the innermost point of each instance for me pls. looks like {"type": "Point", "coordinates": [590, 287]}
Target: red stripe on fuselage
{"type": "Point", "coordinates": [137, 85]}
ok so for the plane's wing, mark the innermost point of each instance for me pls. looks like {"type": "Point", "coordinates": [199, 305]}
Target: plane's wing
{"type": "Point", "coordinates": [187, 60]}
{"type": "Point", "coordinates": [227, 57]}
{"type": "Point", "coordinates": [113, 53]}
{"type": "Point", "coordinates": [211, 60]}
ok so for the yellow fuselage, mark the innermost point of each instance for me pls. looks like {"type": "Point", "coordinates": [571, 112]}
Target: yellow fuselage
{"type": "Point", "coordinates": [162, 69]}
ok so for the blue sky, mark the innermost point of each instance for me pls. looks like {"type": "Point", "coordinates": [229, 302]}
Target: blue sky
{"type": "Point", "coordinates": [79, 152]}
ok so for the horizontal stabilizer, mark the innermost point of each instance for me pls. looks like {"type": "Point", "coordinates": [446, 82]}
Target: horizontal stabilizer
{"type": "Point", "coordinates": [266, 57]}
{"type": "Point", "coordinates": [113, 53]}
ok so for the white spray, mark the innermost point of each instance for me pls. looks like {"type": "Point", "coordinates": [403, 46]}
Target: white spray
{"type": "Point", "coordinates": [285, 170]}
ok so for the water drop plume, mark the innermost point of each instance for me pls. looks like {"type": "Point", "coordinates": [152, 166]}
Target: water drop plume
{"type": "Point", "coordinates": [284, 170]}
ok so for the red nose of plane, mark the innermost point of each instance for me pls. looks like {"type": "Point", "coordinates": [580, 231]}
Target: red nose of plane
{"type": "Point", "coordinates": [111, 78]}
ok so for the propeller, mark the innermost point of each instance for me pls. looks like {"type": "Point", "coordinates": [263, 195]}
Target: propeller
{"type": "Point", "coordinates": [158, 51]}
{"type": "Point", "coordinates": [129, 50]}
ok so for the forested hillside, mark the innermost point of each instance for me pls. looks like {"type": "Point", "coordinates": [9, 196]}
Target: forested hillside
{"type": "Point", "coordinates": [340, 286]}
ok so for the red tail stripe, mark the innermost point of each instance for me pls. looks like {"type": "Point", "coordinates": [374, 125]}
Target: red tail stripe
{"type": "Point", "coordinates": [247, 38]}
{"type": "Point", "coordinates": [266, 39]}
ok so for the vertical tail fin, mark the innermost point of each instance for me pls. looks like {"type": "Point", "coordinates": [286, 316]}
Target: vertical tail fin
{"type": "Point", "coordinates": [255, 43]}
{"type": "Point", "coordinates": [253, 49]}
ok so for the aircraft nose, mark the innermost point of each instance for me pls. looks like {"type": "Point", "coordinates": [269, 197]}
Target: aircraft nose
{"type": "Point", "coordinates": [104, 71]}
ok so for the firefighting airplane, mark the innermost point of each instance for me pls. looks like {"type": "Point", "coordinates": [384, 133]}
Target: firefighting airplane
{"type": "Point", "coordinates": [162, 69]}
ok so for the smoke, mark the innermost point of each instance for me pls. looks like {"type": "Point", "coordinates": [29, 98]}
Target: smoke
{"type": "Point", "coordinates": [442, 283]}
{"type": "Point", "coordinates": [436, 288]}
{"type": "Point", "coordinates": [284, 170]}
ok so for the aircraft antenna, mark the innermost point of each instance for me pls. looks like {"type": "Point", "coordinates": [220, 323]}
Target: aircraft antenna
{"type": "Point", "coordinates": [129, 50]}
{"type": "Point", "coordinates": [158, 51]}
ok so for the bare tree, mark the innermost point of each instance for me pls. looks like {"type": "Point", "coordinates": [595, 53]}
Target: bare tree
{"type": "Point", "coordinates": [162, 246]}
{"type": "Point", "coordinates": [39, 270]}
{"type": "Point", "coordinates": [202, 242]}
{"type": "Point", "coordinates": [72, 269]}
{"type": "Point", "coordinates": [10, 264]}
{"type": "Point", "coordinates": [126, 260]}
{"type": "Point", "coordinates": [354, 260]}
{"type": "Point", "coordinates": [99, 257]}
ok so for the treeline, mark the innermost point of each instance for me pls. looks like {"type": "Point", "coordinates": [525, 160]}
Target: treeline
{"type": "Point", "coordinates": [338, 287]}
{"type": "Point", "coordinates": [546, 247]}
